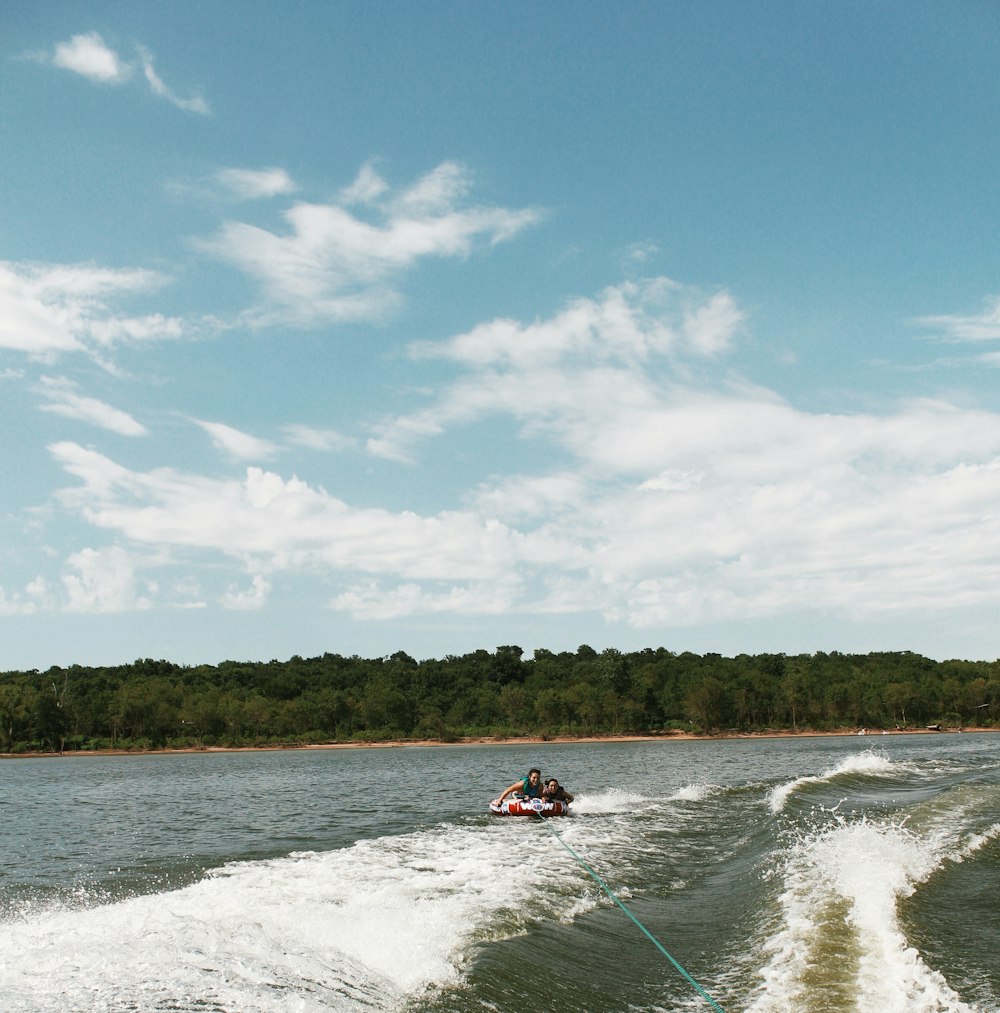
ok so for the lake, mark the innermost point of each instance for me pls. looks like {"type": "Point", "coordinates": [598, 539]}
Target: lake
{"type": "Point", "coordinates": [796, 874]}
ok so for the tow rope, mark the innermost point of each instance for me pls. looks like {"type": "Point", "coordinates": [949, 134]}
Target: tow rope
{"type": "Point", "coordinates": [604, 886]}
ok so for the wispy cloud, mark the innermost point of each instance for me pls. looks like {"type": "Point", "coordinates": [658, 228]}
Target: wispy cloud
{"type": "Point", "coordinates": [638, 253]}
{"type": "Point", "coordinates": [195, 104]}
{"type": "Point", "coordinates": [367, 187]}
{"type": "Point", "coordinates": [318, 439]}
{"type": "Point", "coordinates": [64, 400]}
{"type": "Point", "coordinates": [48, 309]}
{"type": "Point", "coordinates": [91, 57]}
{"type": "Point", "coordinates": [251, 184]}
{"type": "Point", "coordinates": [236, 443]}
{"type": "Point", "coordinates": [332, 265]}
{"type": "Point", "coordinates": [984, 326]}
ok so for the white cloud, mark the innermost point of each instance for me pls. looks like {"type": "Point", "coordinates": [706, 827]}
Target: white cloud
{"type": "Point", "coordinates": [436, 193]}
{"type": "Point", "coordinates": [692, 501]}
{"type": "Point", "coordinates": [250, 599]}
{"type": "Point", "coordinates": [590, 372]}
{"type": "Point", "coordinates": [523, 497]}
{"type": "Point", "coordinates": [48, 309]}
{"type": "Point", "coordinates": [64, 400]}
{"type": "Point", "coordinates": [237, 444]}
{"type": "Point", "coordinates": [333, 266]}
{"type": "Point", "coordinates": [90, 56]}
{"type": "Point", "coordinates": [709, 328]}
{"type": "Point", "coordinates": [284, 522]}
{"type": "Point", "coordinates": [104, 580]}
{"type": "Point", "coordinates": [35, 596]}
{"type": "Point", "coordinates": [629, 323]}
{"type": "Point", "coordinates": [673, 480]}
{"type": "Point", "coordinates": [251, 184]}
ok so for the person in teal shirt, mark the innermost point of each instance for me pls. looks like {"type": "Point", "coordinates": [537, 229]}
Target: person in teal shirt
{"type": "Point", "coordinates": [529, 787]}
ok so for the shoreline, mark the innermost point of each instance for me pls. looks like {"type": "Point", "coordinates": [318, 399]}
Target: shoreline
{"type": "Point", "coordinates": [489, 740]}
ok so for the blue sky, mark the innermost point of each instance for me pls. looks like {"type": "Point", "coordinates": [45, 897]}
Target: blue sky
{"type": "Point", "coordinates": [431, 327]}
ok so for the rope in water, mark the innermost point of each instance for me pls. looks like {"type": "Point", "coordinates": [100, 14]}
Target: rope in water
{"type": "Point", "coordinates": [604, 886]}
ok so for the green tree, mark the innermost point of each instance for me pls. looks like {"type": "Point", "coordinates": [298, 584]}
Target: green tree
{"type": "Point", "coordinates": [705, 703]}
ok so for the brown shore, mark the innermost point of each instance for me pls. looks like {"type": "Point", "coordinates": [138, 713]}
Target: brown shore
{"type": "Point", "coordinates": [527, 740]}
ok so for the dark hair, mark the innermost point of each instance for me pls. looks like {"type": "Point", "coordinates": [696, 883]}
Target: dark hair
{"type": "Point", "coordinates": [534, 770]}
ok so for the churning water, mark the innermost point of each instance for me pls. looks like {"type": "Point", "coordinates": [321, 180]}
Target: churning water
{"type": "Point", "coordinates": [815, 874]}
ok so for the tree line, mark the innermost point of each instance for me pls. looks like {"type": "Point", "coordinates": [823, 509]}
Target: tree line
{"type": "Point", "coordinates": [158, 704]}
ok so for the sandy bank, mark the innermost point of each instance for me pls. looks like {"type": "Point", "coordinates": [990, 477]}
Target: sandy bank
{"type": "Point", "coordinates": [507, 741]}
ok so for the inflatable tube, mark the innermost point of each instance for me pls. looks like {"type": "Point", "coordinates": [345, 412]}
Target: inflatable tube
{"type": "Point", "coordinates": [529, 807]}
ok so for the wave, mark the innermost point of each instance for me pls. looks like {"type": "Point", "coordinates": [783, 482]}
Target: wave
{"type": "Point", "coordinates": [366, 927]}
{"type": "Point", "coordinates": [836, 941]}
{"type": "Point", "coordinates": [961, 819]}
{"type": "Point", "coordinates": [870, 763]}
{"type": "Point", "coordinates": [975, 843]}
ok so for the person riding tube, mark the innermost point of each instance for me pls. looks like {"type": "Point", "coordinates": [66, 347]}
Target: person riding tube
{"type": "Point", "coordinates": [528, 787]}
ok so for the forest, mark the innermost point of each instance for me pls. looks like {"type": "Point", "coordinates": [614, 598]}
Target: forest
{"type": "Point", "coordinates": [158, 704]}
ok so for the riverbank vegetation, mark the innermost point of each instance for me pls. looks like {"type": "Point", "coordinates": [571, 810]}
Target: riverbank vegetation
{"type": "Point", "coordinates": [157, 704]}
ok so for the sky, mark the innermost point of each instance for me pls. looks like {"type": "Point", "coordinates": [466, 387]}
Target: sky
{"type": "Point", "coordinates": [434, 327]}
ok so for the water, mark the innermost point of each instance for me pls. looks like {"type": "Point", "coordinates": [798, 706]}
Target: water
{"type": "Point", "coordinates": [785, 875]}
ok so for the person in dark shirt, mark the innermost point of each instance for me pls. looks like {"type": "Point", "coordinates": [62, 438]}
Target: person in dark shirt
{"type": "Point", "coordinates": [553, 792]}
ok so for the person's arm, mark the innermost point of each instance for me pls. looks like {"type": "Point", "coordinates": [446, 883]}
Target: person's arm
{"type": "Point", "coordinates": [514, 787]}
{"type": "Point", "coordinates": [567, 796]}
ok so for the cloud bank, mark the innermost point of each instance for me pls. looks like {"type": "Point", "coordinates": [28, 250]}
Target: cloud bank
{"type": "Point", "coordinates": [674, 493]}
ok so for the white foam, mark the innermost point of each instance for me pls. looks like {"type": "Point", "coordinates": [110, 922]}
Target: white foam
{"type": "Point", "coordinates": [614, 800]}
{"type": "Point", "coordinates": [693, 793]}
{"type": "Point", "coordinates": [361, 928]}
{"type": "Point", "coordinates": [839, 939]}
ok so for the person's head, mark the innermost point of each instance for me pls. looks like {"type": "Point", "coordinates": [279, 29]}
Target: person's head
{"type": "Point", "coordinates": [534, 775]}
{"type": "Point", "coordinates": [552, 784]}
